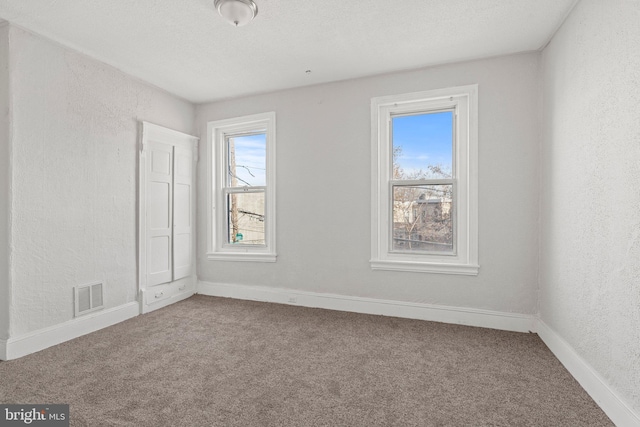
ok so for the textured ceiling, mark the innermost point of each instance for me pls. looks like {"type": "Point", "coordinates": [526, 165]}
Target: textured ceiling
{"type": "Point", "coordinates": [186, 48]}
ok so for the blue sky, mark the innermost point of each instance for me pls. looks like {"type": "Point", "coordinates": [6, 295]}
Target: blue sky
{"type": "Point", "coordinates": [426, 139]}
{"type": "Point", "coordinates": [251, 153]}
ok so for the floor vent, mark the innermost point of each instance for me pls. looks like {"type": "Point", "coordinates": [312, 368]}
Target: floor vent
{"type": "Point", "coordinates": [88, 298]}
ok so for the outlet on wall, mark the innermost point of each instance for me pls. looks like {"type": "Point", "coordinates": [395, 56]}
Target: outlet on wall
{"type": "Point", "coordinates": [293, 300]}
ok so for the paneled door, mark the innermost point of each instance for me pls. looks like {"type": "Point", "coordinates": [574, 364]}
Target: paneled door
{"type": "Point", "coordinates": [182, 212]}
{"type": "Point", "coordinates": [166, 215]}
{"type": "Point", "coordinates": [159, 213]}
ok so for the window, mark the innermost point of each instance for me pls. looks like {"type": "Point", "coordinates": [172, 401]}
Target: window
{"type": "Point", "coordinates": [424, 175]}
{"type": "Point", "coordinates": [242, 177]}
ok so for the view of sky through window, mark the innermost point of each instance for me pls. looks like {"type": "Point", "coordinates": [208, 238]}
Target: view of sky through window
{"type": "Point", "coordinates": [247, 160]}
{"type": "Point", "coordinates": [423, 145]}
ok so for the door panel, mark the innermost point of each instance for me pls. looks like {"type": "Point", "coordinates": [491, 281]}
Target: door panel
{"type": "Point", "coordinates": [182, 205]}
{"type": "Point", "coordinates": [159, 213]}
{"type": "Point", "coordinates": [159, 209]}
{"type": "Point", "coordinates": [159, 255]}
{"type": "Point", "coordinates": [182, 210]}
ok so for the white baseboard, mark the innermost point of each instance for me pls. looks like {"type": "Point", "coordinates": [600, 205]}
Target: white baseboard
{"type": "Point", "coordinates": [53, 335]}
{"type": "Point", "coordinates": [616, 409]}
{"type": "Point", "coordinates": [437, 313]}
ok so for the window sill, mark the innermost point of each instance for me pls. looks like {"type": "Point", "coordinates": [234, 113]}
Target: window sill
{"type": "Point", "coordinates": [241, 256]}
{"type": "Point", "coordinates": [426, 267]}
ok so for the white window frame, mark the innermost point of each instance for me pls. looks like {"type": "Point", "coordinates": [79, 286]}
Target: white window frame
{"type": "Point", "coordinates": [217, 133]}
{"type": "Point", "coordinates": [464, 260]}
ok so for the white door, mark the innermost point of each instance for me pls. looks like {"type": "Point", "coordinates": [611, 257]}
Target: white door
{"type": "Point", "coordinates": [183, 204]}
{"type": "Point", "coordinates": [159, 213]}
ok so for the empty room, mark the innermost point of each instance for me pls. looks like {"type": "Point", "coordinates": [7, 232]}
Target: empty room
{"type": "Point", "coordinates": [320, 213]}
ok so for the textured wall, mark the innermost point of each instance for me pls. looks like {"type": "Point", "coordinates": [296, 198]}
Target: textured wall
{"type": "Point", "coordinates": [590, 160]}
{"type": "Point", "coordinates": [4, 180]}
{"type": "Point", "coordinates": [324, 188]}
{"type": "Point", "coordinates": [74, 162]}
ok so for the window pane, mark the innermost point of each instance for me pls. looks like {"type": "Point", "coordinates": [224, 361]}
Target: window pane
{"type": "Point", "coordinates": [247, 159]}
{"type": "Point", "coordinates": [422, 218]}
{"type": "Point", "coordinates": [423, 146]}
{"type": "Point", "coordinates": [246, 218]}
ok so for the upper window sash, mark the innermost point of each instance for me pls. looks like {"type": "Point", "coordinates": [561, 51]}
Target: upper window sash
{"type": "Point", "coordinates": [452, 109]}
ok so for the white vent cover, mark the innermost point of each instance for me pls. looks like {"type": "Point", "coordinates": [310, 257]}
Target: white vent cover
{"type": "Point", "coordinates": [88, 298]}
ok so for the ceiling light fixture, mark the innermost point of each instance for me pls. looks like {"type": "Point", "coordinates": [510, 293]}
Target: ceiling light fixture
{"type": "Point", "coordinates": [237, 12]}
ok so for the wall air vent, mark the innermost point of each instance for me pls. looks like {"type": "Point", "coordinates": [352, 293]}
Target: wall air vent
{"type": "Point", "coordinates": [88, 298]}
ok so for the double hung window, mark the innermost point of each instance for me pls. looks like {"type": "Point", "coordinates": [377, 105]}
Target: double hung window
{"type": "Point", "coordinates": [242, 209]}
{"type": "Point", "coordinates": [424, 176]}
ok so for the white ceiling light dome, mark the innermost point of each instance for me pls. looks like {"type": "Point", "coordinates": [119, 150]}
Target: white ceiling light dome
{"type": "Point", "coordinates": [237, 12]}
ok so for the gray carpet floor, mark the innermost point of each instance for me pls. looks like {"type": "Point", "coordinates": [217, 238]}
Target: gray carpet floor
{"type": "Point", "coordinates": [219, 362]}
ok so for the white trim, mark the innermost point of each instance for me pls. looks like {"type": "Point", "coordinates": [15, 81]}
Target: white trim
{"type": "Point", "coordinates": [464, 101]}
{"type": "Point", "coordinates": [151, 131]}
{"type": "Point", "coordinates": [158, 296]}
{"type": "Point", "coordinates": [426, 267]}
{"type": "Point", "coordinates": [216, 227]}
{"type": "Point", "coordinates": [57, 334]}
{"type": "Point", "coordinates": [435, 313]}
{"type": "Point", "coordinates": [591, 381]}
{"type": "Point", "coordinates": [248, 256]}
{"type": "Point", "coordinates": [146, 308]}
